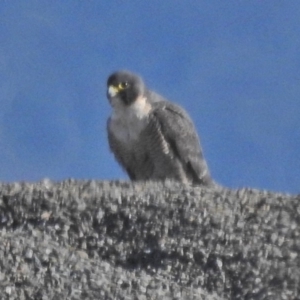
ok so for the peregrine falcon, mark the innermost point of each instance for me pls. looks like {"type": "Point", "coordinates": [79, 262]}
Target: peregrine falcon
{"type": "Point", "coordinates": [152, 138]}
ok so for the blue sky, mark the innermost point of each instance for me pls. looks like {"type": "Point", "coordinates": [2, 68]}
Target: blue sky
{"type": "Point", "coordinates": [233, 65]}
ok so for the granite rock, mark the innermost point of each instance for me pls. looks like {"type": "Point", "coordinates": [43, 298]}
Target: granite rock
{"type": "Point", "coordinates": [122, 240]}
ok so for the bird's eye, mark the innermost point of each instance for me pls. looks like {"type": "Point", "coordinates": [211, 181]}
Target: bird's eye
{"type": "Point", "coordinates": [123, 85]}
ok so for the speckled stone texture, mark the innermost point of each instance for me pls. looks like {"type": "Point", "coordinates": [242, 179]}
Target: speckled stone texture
{"type": "Point", "coordinates": [118, 240]}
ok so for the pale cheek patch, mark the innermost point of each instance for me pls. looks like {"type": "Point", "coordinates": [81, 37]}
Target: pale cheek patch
{"type": "Point", "coordinates": [140, 108]}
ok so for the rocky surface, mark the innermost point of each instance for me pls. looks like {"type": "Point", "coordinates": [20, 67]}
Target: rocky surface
{"type": "Point", "coordinates": [118, 240]}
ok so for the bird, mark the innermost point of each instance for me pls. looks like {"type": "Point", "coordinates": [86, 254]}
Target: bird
{"type": "Point", "coordinates": [151, 137]}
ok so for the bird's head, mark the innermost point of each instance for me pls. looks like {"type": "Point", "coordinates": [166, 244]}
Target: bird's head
{"type": "Point", "coordinates": [124, 87]}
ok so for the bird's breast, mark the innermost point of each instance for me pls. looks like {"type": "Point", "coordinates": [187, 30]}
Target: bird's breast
{"type": "Point", "coordinates": [127, 128]}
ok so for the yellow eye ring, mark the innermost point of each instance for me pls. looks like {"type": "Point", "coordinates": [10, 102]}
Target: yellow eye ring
{"type": "Point", "coordinates": [123, 85]}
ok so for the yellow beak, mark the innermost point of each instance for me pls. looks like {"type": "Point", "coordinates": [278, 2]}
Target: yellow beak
{"type": "Point", "coordinates": [112, 91]}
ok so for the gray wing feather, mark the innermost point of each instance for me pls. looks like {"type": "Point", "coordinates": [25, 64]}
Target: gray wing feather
{"type": "Point", "coordinates": [179, 132]}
